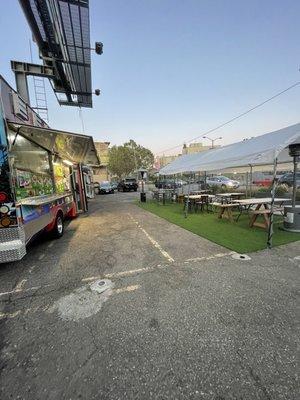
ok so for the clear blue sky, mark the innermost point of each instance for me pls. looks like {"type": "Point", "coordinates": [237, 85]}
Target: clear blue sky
{"type": "Point", "coordinates": [172, 69]}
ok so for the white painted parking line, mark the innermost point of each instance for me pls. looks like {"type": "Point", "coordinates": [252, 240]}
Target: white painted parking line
{"type": "Point", "coordinates": [20, 285]}
{"type": "Point", "coordinates": [45, 308]}
{"type": "Point", "coordinates": [218, 255]}
{"type": "Point", "coordinates": [23, 290]}
{"type": "Point", "coordinates": [117, 274]}
{"type": "Point", "coordinates": [153, 241]}
{"type": "Point", "coordinates": [131, 288]}
{"type": "Point", "coordinates": [10, 315]}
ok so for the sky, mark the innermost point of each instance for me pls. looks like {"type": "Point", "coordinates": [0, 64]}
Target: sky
{"type": "Point", "coordinates": [173, 69]}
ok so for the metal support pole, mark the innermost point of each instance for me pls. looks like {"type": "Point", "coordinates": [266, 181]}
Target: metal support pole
{"type": "Point", "coordinates": [188, 198]}
{"type": "Point", "coordinates": [174, 187]}
{"type": "Point", "coordinates": [22, 86]}
{"type": "Point", "coordinates": [294, 183]}
{"type": "Point", "coordinates": [205, 179]}
{"type": "Point", "coordinates": [251, 180]}
{"type": "Point", "coordinates": [247, 182]}
{"type": "Point", "coordinates": [271, 230]}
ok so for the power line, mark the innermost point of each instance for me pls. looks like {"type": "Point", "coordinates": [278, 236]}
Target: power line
{"type": "Point", "coordinates": [234, 118]}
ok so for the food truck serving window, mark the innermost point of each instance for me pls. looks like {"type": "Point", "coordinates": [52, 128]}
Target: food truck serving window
{"type": "Point", "coordinates": [32, 171]}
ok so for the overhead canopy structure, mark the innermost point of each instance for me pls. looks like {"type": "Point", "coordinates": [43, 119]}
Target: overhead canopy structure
{"type": "Point", "coordinates": [70, 146]}
{"type": "Point", "coordinates": [258, 151]}
{"type": "Point", "coordinates": [61, 29]}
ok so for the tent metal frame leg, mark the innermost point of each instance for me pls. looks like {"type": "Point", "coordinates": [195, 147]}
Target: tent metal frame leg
{"type": "Point", "coordinates": [187, 202]}
{"type": "Point", "coordinates": [271, 227]}
{"type": "Point", "coordinates": [251, 180]}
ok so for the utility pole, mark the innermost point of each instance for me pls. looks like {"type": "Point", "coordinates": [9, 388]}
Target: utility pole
{"type": "Point", "coordinates": [212, 140]}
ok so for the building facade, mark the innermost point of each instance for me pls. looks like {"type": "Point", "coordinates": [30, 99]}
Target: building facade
{"type": "Point", "coordinates": [161, 161]}
{"type": "Point", "coordinates": [195, 148]}
{"type": "Point", "coordinates": [101, 173]}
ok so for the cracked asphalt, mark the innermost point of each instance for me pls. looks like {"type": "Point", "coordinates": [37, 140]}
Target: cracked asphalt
{"type": "Point", "coordinates": [184, 319]}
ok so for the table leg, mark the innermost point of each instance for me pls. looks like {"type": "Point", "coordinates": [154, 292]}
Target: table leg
{"type": "Point", "coordinates": [254, 216]}
{"type": "Point", "coordinates": [229, 214]}
{"type": "Point", "coordinates": [266, 217]}
{"type": "Point", "coordinates": [222, 209]}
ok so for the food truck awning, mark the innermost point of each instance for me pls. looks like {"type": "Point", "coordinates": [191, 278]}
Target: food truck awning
{"type": "Point", "coordinates": [67, 145]}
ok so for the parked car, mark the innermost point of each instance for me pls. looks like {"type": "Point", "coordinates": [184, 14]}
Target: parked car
{"type": "Point", "coordinates": [222, 181]}
{"type": "Point", "coordinates": [105, 188]}
{"type": "Point", "coordinates": [128, 184]}
{"type": "Point", "coordinates": [265, 182]}
{"type": "Point", "coordinates": [114, 185]}
{"type": "Point", "coordinates": [288, 179]}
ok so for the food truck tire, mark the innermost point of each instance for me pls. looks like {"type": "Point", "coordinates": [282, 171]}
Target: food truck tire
{"type": "Point", "coordinates": [58, 228]}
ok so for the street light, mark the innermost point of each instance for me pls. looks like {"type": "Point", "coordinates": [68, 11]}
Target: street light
{"type": "Point", "coordinates": [212, 140]}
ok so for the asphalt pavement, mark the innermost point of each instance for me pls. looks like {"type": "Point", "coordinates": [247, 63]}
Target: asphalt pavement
{"type": "Point", "coordinates": [181, 318]}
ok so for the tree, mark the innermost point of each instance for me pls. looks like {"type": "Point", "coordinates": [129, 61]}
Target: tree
{"type": "Point", "coordinates": [125, 159]}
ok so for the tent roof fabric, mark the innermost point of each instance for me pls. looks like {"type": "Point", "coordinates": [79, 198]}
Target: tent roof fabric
{"type": "Point", "coordinates": [260, 150]}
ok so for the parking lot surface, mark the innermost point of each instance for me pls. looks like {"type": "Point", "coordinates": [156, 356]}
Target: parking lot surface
{"type": "Point", "coordinates": [181, 319]}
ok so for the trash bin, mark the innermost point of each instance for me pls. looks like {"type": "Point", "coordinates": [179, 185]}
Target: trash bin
{"type": "Point", "coordinates": [292, 218]}
{"type": "Point", "coordinates": [143, 197]}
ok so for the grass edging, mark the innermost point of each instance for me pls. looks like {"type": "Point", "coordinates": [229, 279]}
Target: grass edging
{"type": "Point", "coordinates": [237, 236]}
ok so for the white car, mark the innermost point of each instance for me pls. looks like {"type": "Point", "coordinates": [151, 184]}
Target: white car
{"type": "Point", "coordinates": [222, 181]}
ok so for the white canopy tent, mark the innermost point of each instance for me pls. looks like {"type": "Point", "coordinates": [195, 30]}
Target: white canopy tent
{"type": "Point", "coordinates": [269, 149]}
{"type": "Point", "coordinates": [258, 151]}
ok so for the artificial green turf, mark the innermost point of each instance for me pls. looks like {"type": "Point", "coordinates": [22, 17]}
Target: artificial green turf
{"type": "Point", "coordinates": [237, 236]}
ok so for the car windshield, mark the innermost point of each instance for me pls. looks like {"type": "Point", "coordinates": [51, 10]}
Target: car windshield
{"type": "Point", "coordinates": [105, 184]}
{"type": "Point", "coordinates": [224, 178]}
{"type": "Point", "coordinates": [129, 180]}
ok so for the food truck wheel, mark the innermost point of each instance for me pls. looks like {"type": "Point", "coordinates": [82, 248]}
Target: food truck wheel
{"type": "Point", "coordinates": [58, 229]}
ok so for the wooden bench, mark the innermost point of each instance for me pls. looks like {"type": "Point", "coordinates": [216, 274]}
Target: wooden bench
{"type": "Point", "coordinates": [266, 217]}
{"type": "Point", "coordinates": [225, 210]}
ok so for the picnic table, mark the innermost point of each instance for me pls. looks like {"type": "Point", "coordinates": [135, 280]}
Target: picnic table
{"type": "Point", "coordinates": [227, 197]}
{"type": "Point", "coordinates": [203, 191]}
{"type": "Point", "coordinates": [262, 208]}
{"type": "Point", "coordinates": [163, 195]}
{"type": "Point", "coordinates": [198, 196]}
{"type": "Point", "coordinates": [195, 199]}
{"type": "Point", "coordinates": [225, 210]}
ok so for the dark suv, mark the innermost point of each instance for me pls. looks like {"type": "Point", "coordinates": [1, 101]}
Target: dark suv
{"type": "Point", "coordinates": [128, 184]}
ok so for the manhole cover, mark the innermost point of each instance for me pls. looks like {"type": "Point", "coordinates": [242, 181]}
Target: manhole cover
{"type": "Point", "coordinates": [242, 257]}
{"type": "Point", "coordinates": [101, 285]}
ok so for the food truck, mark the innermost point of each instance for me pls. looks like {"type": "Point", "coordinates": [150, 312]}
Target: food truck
{"type": "Point", "coordinates": [42, 178]}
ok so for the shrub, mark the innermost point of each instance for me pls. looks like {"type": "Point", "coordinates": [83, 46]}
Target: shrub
{"type": "Point", "coordinates": [263, 189]}
{"type": "Point", "coordinates": [281, 190]}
